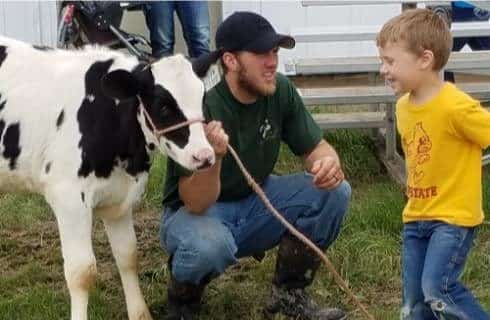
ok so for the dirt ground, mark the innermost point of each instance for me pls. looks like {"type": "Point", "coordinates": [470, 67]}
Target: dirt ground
{"type": "Point", "coordinates": [41, 242]}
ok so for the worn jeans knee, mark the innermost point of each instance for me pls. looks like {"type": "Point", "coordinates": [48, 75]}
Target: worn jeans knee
{"type": "Point", "coordinates": [441, 303]}
{"type": "Point", "coordinates": [200, 246]}
{"type": "Point", "coordinates": [416, 311]}
{"type": "Point", "coordinates": [437, 301]}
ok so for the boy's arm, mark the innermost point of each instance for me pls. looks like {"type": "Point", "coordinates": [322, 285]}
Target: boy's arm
{"type": "Point", "coordinates": [472, 121]}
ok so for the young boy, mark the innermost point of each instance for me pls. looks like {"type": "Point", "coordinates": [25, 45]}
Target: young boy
{"type": "Point", "coordinates": [443, 131]}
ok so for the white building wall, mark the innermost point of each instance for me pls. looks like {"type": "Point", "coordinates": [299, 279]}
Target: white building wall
{"type": "Point", "coordinates": [30, 21]}
{"type": "Point", "coordinates": [287, 15]}
{"type": "Point", "coordinates": [36, 22]}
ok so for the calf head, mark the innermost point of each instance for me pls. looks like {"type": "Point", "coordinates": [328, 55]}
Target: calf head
{"type": "Point", "coordinates": [170, 93]}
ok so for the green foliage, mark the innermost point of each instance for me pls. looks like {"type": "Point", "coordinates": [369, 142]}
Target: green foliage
{"type": "Point", "coordinates": [154, 189]}
{"type": "Point", "coordinates": [19, 210]}
{"type": "Point", "coordinates": [357, 151]}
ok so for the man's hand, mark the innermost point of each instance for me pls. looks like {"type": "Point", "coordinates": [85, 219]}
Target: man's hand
{"type": "Point", "coordinates": [217, 138]}
{"type": "Point", "coordinates": [200, 190]}
{"type": "Point", "coordinates": [327, 173]}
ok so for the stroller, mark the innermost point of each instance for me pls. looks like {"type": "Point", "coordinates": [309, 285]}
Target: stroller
{"type": "Point", "coordinates": [85, 22]}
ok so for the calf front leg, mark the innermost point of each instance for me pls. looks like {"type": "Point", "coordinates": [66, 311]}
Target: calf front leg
{"type": "Point", "coordinates": [75, 228]}
{"type": "Point", "coordinates": [120, 232]}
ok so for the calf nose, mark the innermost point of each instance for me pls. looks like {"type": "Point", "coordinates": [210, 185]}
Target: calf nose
{"type": "Point", "coordinates": [204, 158]}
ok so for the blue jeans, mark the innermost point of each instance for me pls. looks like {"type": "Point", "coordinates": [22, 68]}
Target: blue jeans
{"type": "Point", "coordinates": [465, 12]}
{"type": "Point", "coordinates": [434, 254]}
{"type": "Point", "coordinates": [194, 18]}
{"type": "Point", "coordinates": [204, 246]}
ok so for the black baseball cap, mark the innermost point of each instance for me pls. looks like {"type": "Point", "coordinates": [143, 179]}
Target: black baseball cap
{"type": "Point", "coordinates": [248, 31]}
{"type": "Point", "coordinates": [242, 31]}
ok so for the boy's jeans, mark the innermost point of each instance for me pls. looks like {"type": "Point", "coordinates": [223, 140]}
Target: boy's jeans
{"type": "Point", "coordinates": [203, 246]}
{"type": "Point", "coordinates": [194, 18]}
{"type": "Point", "coordinates": [434, 254]}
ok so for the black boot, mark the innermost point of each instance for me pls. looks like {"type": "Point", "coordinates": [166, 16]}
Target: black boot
{"type": "Point", "coordinates": [296, 266]}
{"type": "Point", "coordinates": [184, 300]}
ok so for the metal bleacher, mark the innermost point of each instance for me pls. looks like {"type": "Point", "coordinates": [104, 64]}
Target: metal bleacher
{"type": "Point", "coordinates": [381, 118]}
{"type": "Point", "coordinates": [459, 61]}
{"type": "Point", "coordinates": [369, 32]}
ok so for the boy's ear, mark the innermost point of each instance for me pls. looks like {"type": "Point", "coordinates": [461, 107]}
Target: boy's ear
{"type": "Point", "coordinates": [427, 59]}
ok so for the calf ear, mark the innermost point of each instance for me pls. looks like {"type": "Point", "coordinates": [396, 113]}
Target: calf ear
{"type": "Point", "coordinates": [119, 84]}
{"type": "Point", "coordinates": [201, 64]}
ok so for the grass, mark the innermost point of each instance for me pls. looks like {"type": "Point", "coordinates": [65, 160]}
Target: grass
{"type": "Point", "coordinates": [367, 253]}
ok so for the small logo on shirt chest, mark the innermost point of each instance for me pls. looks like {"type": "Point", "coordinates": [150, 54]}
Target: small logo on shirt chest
{"type": "Point", "coordinates": [266, 131]}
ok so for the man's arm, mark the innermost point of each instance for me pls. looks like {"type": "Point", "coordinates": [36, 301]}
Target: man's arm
{"type": "Point", "coordinates": [324, 163]}
{"type": "Point", "coordinates": [200, 190]}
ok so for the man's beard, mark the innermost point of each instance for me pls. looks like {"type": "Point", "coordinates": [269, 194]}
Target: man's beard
{"type": "Point", "coordinates": [252, 87]}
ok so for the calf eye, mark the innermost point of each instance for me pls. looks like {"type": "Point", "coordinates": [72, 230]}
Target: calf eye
{"type": "Point", "coordinates": [164, 112]}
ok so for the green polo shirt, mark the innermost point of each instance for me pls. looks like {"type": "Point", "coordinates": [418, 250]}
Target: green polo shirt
{"type": "Point", "coordinates": [255, 131]}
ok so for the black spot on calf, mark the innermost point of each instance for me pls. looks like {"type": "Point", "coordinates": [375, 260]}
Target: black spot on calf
{"type": "Point", "coordinates": [48, 167]}
{"type": "Point", "coordinates": [83, 196]}
{"type": "Point", "coordinates": [60, 118]}
{"type": "Point", "coordinates": [2, 104]}
{"type": "Point", "coordinates": [109, 132]}
{"type": "Point", "coordinates": [3, 54]}
{"type": "Point", "coordinates": [2, 126]}
{"type": "Point", "coordinates": [11, 144]}
{"type": "Point", "coordinates": [165, 112]}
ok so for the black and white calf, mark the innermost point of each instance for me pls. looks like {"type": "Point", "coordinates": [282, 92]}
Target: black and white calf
{"type": "Point", "coordinates": [73, 128]}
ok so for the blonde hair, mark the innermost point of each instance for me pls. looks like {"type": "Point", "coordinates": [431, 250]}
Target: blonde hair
{"type": "Point", "coordinates": [419, 29]}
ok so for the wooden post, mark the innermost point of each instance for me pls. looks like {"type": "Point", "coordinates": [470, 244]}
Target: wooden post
{"type": "Point", "coordinates": [486, 160]}
{"type": "Point", "coordinates": [390, 132]}
{"type": "Point", "coordinates": [372, 79]}
{"type": "Point", "coordinates": [394, 163]}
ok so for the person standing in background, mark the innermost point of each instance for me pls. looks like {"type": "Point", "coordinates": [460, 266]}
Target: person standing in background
{"type": "Point", "coordinates": [194, 18]}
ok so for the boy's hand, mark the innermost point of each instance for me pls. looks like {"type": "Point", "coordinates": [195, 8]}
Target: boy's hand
{"type": "Point", "coordinates": [327, 173]}
{"type": "Point", "coordinates": [217, 138]}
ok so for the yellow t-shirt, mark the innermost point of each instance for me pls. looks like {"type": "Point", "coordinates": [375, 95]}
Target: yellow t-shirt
{"type": "Point", "coordinates": [443, 141]}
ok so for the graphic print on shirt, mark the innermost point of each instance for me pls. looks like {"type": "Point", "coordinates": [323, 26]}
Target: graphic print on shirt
{"type": "Point", "coordinates": [266, 131]}
{"type": "Point", "coordinates": [418, 153]}
{"type": "Point", "coordinates": [418, 147]}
